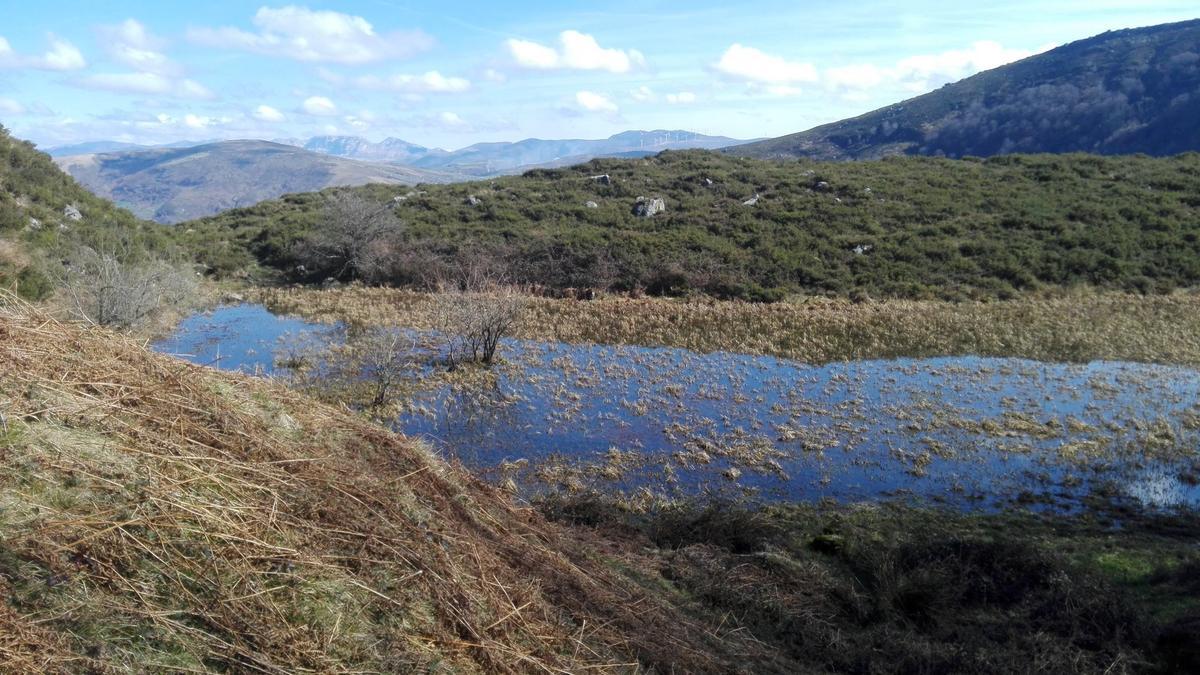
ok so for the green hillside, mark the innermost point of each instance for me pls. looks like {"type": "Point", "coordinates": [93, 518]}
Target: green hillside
{"type": "Point", "coordinates": [1121, 92]}
{"type": "Point", "coordinates": [44, 213]}
{"type": "Point", "coordinates": [902, 227]}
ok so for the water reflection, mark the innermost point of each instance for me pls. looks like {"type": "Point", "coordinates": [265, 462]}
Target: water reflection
{"type": "Point", "coordinates": [972, 432]}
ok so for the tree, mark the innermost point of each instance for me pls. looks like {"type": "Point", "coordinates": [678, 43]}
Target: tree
{"type": "Point", "coordinates": [108, 292]}
{"type": "Point", "coordinates": [473, 320]}
{"type": "Point", "coordinates": [354, 239]}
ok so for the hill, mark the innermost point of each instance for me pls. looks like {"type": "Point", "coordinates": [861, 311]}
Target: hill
{"type": "Point", "coordinates": [734, 227]}
{"type": "Point", "coordinates": [45, 213]}
{"type": "Point", "coordinates": [1122, 92]}
{"type": "Point", "coordinates": [173, 184]}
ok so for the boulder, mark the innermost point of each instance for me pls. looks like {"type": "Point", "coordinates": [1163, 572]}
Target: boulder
{"type": "Point", "coordinates": [35, 224]}
{"type": "Point", "coordinates": [72, 213]}
{"type": "Point", "coordinates": [822, 186]}
{"type": "Point", "coordinates": [603, 179]}
{"type": "Point", "coordinates": [648, 207]}
{"type": "Point", "coordinates": [752, 201]}
{"type": "Point", "coordinates": [862, 248]}
{"type": "Point", "coordinates": [591, 205]}
{"type": "Point", "coordinates": [708, 182]}
{"type": "Point", "coordinates": [472, 200]}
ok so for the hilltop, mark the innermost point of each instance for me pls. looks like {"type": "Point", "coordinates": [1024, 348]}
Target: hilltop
{"type": "Point", "coordinates": [169, 185]}
{"type": "Point", "coordinates": [1122, 92]}
{"type": "Point", "coordinates": [736, 227]}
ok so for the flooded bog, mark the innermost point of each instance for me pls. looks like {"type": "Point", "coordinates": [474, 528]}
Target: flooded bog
{"type": "Point", "coordinates": [965, 431]}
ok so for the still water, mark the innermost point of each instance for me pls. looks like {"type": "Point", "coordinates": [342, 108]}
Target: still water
{"type": "Point", "coordinates": [966, 431]}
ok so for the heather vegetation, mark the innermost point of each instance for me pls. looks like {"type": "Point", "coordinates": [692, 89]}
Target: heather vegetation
{"type": "Point", "coordinates": [902, 227]}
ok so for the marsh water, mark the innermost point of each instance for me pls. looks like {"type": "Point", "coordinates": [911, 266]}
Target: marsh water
{"type": "Point", "coordinates": [965, 431]}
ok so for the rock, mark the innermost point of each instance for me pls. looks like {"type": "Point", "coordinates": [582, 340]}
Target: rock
{"type": "Point", "coordinates": [603, 179]}
{"type": "Point", "coordinates": [732, 473]}
{"type": "Point", "coordinates": [838, 200]}
{"type": "Point", "coordinates": [72, 213]}
{"type": "Point", "coordinates": [752, 201]}
{"type": "Point", "coordinates": [648, 207]}
{"type": "Point", "coordinates": [233, 299]}
{"type": "Point", "coordinates": [591, 205]}
{"type": "Point", "coordinates": [867, 190]}
{"type": "Point", "coordinates": [472, 200]}
{"type": "Point", "coordinates": [822, 186]}
{"type": "Point", "coordinates": [862, 248]}
{"type": "Point", "coordinates": [708, 182]}
{"type": "Point", "coordinates": [35, 224]}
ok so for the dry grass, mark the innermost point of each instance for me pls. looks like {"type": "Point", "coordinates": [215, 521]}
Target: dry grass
{"type": "Point", "coordinates": [159, 516]}
{"type": "Point", "coordinates": [1077, 326]}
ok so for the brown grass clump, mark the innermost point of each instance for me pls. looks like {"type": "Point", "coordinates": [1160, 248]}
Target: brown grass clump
{"type": "Point", "coordinates": [160, 516]}
{"type": "Point", "coordinates": [1067, 326]}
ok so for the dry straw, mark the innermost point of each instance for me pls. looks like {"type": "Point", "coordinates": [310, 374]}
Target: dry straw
{"type": "Point", "coordinates": [160, 516]}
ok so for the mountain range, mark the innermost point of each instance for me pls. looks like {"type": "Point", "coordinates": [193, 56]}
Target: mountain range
{"type": "Point", "coordinates": [174, 184]}
{"type": "Point", "coordinates": [1121, 92]}
{"type": "Point", "coordinates": [488, 159]}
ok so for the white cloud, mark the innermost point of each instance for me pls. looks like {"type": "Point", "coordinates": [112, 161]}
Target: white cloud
{"type": "Point", "coordinates": [11, 107]}
{"type": "Point", "coordinates": [923, 72]}
{"type": "Point", "coordinates": [61, 55]}
{"type": "Point", "coordinates": [319, 105]}
{"type": "Point", "coordinates": [431, 82]}
{"type": "Point", "coordinates": [752, 65]}
{"type": "Point", "coordinates": [452, 120]}
{"type": "Point", "coordinates": [199, 122]}
{"type": "Point", "coordinates": [682, 98]}
{"type": "Point", "coordinates": [130, 44]}
{"type": "Point", "coordinates": [575, 51]}
{"type": "Point", "coordinates": [931, 70]}
{"type": "Point", "coordinates": [316, 36]}
{"type": "Point", "coordinates": [642, 93]}
{"type": "Point", "coordinates": [146, 83]}
{"type": "Point", "coordinates": [266, 113]}
{"type": "Point", "coordinates": [593, 102]}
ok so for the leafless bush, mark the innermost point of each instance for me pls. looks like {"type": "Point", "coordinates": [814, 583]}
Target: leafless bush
{"type": "Point", "coordinates": [474, 319]}
{"type": "Point", "coordinates": [354, 240]}
{"type": "Point", "coordinates": [107, 292]}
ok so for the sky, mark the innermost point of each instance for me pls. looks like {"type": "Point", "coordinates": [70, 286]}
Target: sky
{"type": "Point", "coordinates": [449, 74]}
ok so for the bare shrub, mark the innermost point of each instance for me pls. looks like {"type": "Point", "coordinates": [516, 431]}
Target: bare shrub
{"type": "Point", "coordinates": [108, 292]}
{"type": "Point", "coordinates": [474, 319]}
{"type": "Point", "coordinates": [354, 240]}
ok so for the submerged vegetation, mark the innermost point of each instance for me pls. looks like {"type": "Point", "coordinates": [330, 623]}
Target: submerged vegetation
{"type": "Point", "coordinates": [1075, 326]}
{"type": "Point", "coordinates": [741, 228]}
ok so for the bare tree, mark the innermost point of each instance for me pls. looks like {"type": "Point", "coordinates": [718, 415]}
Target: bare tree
{"type": "Point", "coordinates": [107, 292]}
{"type": "Point", "coordinates": [354, 238]}
{"type": "Point", "coordinates": [473, 320]}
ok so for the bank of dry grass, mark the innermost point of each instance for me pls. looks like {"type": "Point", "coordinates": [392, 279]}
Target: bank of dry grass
{"type": "Point", "coordinates": [159, 516]}
{"type": "Point", "coordinates": [1078, 326]}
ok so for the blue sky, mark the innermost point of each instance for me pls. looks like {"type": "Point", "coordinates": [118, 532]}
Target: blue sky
{"type": "Point", "coordinates": [450, 74]}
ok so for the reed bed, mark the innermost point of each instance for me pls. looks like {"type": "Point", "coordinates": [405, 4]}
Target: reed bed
{"type": "Point", "coordinates": [160, 516]}
{"type": "Point", "coordinates": [1074, 326]}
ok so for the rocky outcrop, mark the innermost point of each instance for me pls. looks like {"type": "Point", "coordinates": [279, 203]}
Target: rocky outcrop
{"type": "Point", "coordinates": [648, 207]}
